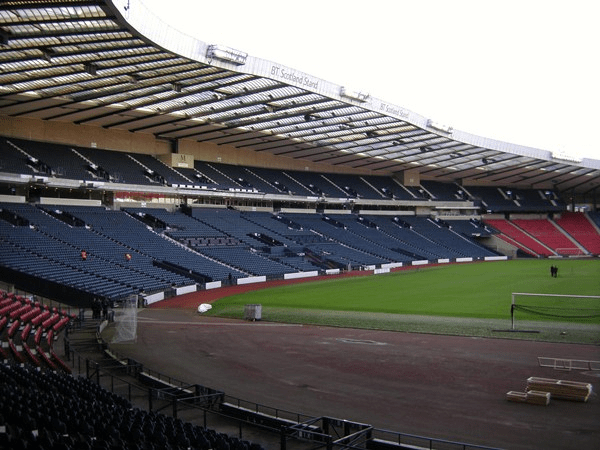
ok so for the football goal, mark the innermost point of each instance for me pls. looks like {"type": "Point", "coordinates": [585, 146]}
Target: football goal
{"type": "Point", "coordinates": [556, 307]}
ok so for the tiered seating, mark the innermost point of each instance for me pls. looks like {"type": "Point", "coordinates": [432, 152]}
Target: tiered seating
{"type": "Point", "coordinates": [533, 200]}
{"type": "Point", "coordinates": [581, 229]}
{"type": "Point", "coordinates": [218, 178]}
{"type": "Point", "coordinates": [492, 199]}
{"type": "Point", "coordinates": [244, 260]}
{"type": "Point", "coordinates": [337, 256]}
{"type": "Point", "coordinates": [404, 239]}
{"type": "Point", "coordinates": [388, 187]}
{"type": "Point", "coordinates": [547, 233]}
{"type": "Point", "coordinates": [352, 186]}
{"type": "Point", "coordinates": [44, 409]}
{"type": "Point", "coordinates": [22, 259]}
{"type": "Point", "coordinates": [442, 191]}
{"type": "Point", "coordinates": [180, 225]}
{"type": "Point", "coordinates": [62, 160]}
{"type": "Point", "coordinates": [170, 175]}
{"type": "Point", "coordinates": [470, 227]}
{"type": "Point", "coordinates": [273, 224]}
{"type": "Point", "coordinates": [595, 217]}
{"type": "Point", "coordinates": [360, 234]}
{"type": "Point", "coordinates": [245, 255]}
{"type": "Point", "coordinates": [55, 245]}
{"type": "Point", "coordinates": [14, 161]}
{"type": "Point", "coordinates": [455, 245]}
{"type": "Point", "coordinates": [280, 180]}
{"type": "Point", "coordinates": [90, 164]}
{"type": "Point", "coordinates": [20, 319]}
{"type": "Point", "coordinates": [117, 167]}
{"type": "Point", "coordinates": [196, 178]}
{"type": "Point", "coordinates": [343, 247]}
{"type": "Point", "coordinates": [517, 237]}
{"type": "Point", "coordinates": [126, 229]}
{"type": "Point", "coordinates": [316, 184]}
{"type": "Point", "coordinates": [245, 178]}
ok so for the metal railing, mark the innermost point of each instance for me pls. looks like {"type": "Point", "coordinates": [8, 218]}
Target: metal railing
{"type": "Point", "coordinates": [154, 391]}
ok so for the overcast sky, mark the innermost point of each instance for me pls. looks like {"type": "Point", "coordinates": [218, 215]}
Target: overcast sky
{"type": "Point", "coordinates": [522, 71]}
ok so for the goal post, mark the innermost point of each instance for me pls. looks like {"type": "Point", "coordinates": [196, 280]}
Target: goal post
{"type": "Point", "coordinates": [126, 320]}
{"type": "Point", "coordinates": [560, 307]}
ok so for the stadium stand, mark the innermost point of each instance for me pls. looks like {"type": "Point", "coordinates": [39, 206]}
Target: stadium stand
{"type": "Point", "coordinates": [21, 319]}
{"type": "Point", "coordinates": [442, 191]}
{"type": "Point", "coordinates": [518, 237]}
{"type": "Point", "coordinates": [581, 228]}
{"type": "Point", "coordinates": [547, 233]}
{"type": "Point", "coordinates": [595, 218]}
{"type": "Point", "coordinates": [286, 178]}
{"type": "Point", "coordinates": [168, 249]}
{"type": "Point", "coordinates": [388, 187]}
{"type": "Point", "coordinates": [47, 409]}
{"type": "Point", "coordinates": [493, 199]}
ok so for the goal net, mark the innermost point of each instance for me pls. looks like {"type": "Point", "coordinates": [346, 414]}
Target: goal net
{"type": "Point", "coordinates": [126, 320]}
{"type": "Point", "coordinates": [556, 307]}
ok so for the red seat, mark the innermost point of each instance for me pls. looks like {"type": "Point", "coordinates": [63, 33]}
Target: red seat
{"type": "Point", "coordinates": [16, 353]}
{"type": "Point", "coordinates": [5, 302]}
{"type": "Point", "coordinates": [50, 338]}
{"type": "Point", "coordinates": [46, 358]}
{"type": "Point", "coordinates": [25, 332]}
{"type": "Point", "coordinates": [60, 324]}
{"type": "Point", "coordinates": [30, 314]}
{"type": "Point", "coordinates": [14, 327]}
{"type": "Point", "coordinates": [38, 336]}
{"type": "Point", "coordinates": [3, 322]}
{"type": "Point", "coordinates": [20, 311]}
{"type": "Point", "coordinates": [8, 308]}
{"type": "Point", "coordinates": [32, 356]}
{"type": "Point", "coordinates": [40, 318]}
{"type": "Point", "coordinates": [50, 321]}
{"type": "Point", "coordinates": [59, 362]}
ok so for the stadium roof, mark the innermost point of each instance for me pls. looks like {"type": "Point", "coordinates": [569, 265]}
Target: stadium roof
{"type": "Point", "coordinates": [113, 64]}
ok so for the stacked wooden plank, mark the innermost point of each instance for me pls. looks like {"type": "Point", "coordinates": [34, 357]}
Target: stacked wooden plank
{"type": "Point", "coordinates": [562, 389]}
{"type": "Point", "coordinates": [532, 397]}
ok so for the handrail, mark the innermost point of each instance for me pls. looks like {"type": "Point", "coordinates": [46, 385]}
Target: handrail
{"type": "Point", "coordinates": [286, 431]}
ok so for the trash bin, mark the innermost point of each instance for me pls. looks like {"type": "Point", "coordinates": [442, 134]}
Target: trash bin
{"type": "Point", "coordinates": [252, 312]}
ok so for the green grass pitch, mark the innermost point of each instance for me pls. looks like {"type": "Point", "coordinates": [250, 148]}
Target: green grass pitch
{"type": "Point", "coordinates": [469, 290]}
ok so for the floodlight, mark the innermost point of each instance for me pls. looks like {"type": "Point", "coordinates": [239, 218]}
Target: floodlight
{"type": "Point", "coordinates": [354, 95]}
{"type": "Point", "coordinates": [440, 127]}
{"type": "Point", "coordinates": [562, 155]}
{"type": "Point", "coordinates": [226, 54]}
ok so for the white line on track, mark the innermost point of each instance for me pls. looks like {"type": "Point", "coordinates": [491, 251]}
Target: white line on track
{"type": "Point", "coordinates": [220, 324]}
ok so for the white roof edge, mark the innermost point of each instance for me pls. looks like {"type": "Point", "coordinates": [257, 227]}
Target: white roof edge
{"type": "Point", "coordinates": [152, 27]}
